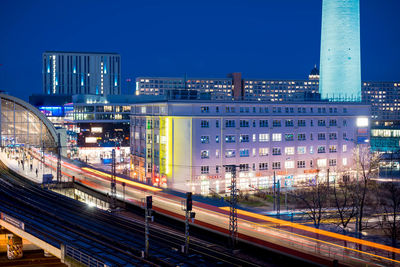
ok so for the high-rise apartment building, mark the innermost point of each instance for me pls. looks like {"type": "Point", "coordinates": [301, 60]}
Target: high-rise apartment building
{"type": "Point", "coordinates": [340, 61]}
{"type": "Point", "coordinates": [81, 73]}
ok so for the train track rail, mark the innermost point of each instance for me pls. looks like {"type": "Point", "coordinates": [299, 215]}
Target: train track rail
{"type": "Point", "coordinates": [60, 219]}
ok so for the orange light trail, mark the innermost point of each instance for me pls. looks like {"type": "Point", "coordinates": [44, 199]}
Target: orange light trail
{"type": "Point", "coordinates": [120, 179]}
{"type": "Point", "coordinates": [316, 231]}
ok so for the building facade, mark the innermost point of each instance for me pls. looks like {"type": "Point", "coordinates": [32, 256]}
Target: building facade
{"type": "Point", "coordinates": [340, 61]}
{"type": "Point", "coordinates": [186, 144]}
{"type": "Point", "coordinates": [81, 73]}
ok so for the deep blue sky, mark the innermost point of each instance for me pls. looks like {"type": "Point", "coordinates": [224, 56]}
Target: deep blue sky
{"type": "Point", "coordinates": [260, 38]}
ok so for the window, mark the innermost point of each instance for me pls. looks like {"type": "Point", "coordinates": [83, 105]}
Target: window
{"type": "Point", "coordinates": [244, 152]}
{"type": "Point", "coordinates": [205, 139]}
{"type": "Point", "coordinates": [205, 109]}
{"type": "Point", "coordinates": [263, 166]}
{"type": "Point", "coordinates": [289, 150]}
{"type": "Point", "coordinates": [321, 163]}
{"type": "Point", "coordinates": [217, 123]}
{"type": "Point", "coordinates": [230, 123]}
{"type": "Point", "coordinates": [289, 137]}
{"type": "Point", "coordinates": [254, 138]}
{"type": "Point", "coordinates": [276, 123]}
{"type": "Point", "coordinates": [289, 164]}
{"type": "Point", "coordinates": [263, 123]}
{"type": "Point", "coordinates": [263, 151]}
{"type": "Point", "coordinates": [205, 154]}
{"type": "Point", "coordinates": [344, 123]}
{"type": "Point", "coordinates": [311, 123]}
{"type": "Point", "coordinates": [289, 123]}
{"type": "Point", "coordinates": [244, 138]}
{"type": "Point", "coordinates": [217, 168]}
{"type": "Point", "coordinates": [301, 137]}
{"type": "Point", "coordinates": [332, 162]}
{"type": "Point", "coordinates": [276, 151]}
{"type": "Point", "coordinates": [321, 149]}
{"type": "Point", "coordinates": [217, 139]}
{"type": "Point", "coordinates": [344, 136]}
{"type": "Point", "coordinates": [230, 153]}
{"type": "Point", "coordinates": [217, 153]}
{"type": "Point", "coordinates": [321, 136]}
{"type": "Point", "coordinates": [332, 149]}
{"type": "Point", "coordinates": [244, 123]}
{"type": "Point", "coordinates": [301, 123]}
{"type": "Point", "coordinates": [276, 165]}
{"type": "Point", "coordinates": [230, 138]}
{"type": "Point", "coordinates": [344, 110]}
{"type": "Point", "coordinates": [276, 137]}
{"type": "Point", "coordinates": [217, 110]}
{"type": "Point", "coordinates": [332, 136]}
{"type": "Point", "coordinates": [243, 167]}
{"type": "Point", "coordinates": [263, 137]}
{"type": "Point", "coordinates": [205, 124]}
{"type": "Point", "coordinates": [332, 123]}
{"type": "Point", "coordinates": [311, 150]}
{"type": "Point", "coordinates": [204, 169]}
{"type": "Point", "coordinates": [344, 161]}
{"type": "Point", "coordinates": [301, 150]}
{"type": "Point", "coordinates": [321, 122]}
{"type": "Point", "coordinates": [301, 164]}
{"type": "Point", "coordinates": [254, 152]}
{"type": "Point", "coordinates": [344, 148]}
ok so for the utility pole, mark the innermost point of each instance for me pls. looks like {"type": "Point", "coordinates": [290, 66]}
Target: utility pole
{"type": "Point", "coordinates": [358, 190]}
{"type": "Point", "coordinates": [188, 215]}
{"type": "Point", "coordinates": [274, 192]}
{"type": "Point", "coordinates": [279, 199]}
{"type": "Point", "coordinates": [113, 199]}
{"type": "Point", "coordinates": [147, 210]}
{"type": "Point", "coordinates": [59, 158]}
{"type": "Point", "coordinates": [233, 228]}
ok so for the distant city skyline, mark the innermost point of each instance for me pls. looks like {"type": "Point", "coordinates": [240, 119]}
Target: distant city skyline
{"type": "Point", "coordinates": [260, 39]}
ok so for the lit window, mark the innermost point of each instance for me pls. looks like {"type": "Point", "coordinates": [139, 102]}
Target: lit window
{"type": "Point", "coordinates": [321, 162]}
{"type": "Point", "coordinates": [289, 150]}
{"type": "Point", "coordinates": [289, 164]}
{"type": "Point", "coordinates": [276, 137]}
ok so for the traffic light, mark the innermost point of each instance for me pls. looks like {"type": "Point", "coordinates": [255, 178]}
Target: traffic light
{"type": "Point", "coordinates": [149, 202]}
{"type": "Point", "coordinates": [189, 201]}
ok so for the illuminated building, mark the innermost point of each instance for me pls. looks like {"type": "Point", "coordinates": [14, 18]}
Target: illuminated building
{"type": "Point", "coordinates": [340, 61]}
{"type": "Point", "coordinates": [185, 144]}
{"type": "Point", "coordinates": [81, 73]}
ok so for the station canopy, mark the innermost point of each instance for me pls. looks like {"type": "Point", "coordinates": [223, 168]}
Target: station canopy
{"type": "Point", "coordinates": [21, 124]}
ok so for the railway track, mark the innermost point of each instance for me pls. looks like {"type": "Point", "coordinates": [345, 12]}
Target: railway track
{"type": "Point", "coordinates": [61, 220]}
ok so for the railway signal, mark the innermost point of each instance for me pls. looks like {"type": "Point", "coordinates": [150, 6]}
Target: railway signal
{"type": "Point", "coordinates": [113, 197]}
{"type": "Point", "coordinates": [187, 207]}
{"type": "Point", "coordinates": [147, 210]}
{"type": "Point", "coordinates": [233, 228]}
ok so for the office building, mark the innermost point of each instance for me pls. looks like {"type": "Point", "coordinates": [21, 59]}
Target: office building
{"type": "Point", "coordinates": [186, 144]}
{"type": "Point", "coordinates": [340, 61]}
{"type": "Point", "coordinates": [72, 73]}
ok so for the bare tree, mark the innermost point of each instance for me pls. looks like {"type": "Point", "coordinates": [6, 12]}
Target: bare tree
{"type": "Point", "coordinates": [344, 199]}
{"type": "Point", "coordinates": [389, 205]}
{"type": "Point", "coordinates": [368, 165]}
{"type": "Point", "coordinates": [314, 199]}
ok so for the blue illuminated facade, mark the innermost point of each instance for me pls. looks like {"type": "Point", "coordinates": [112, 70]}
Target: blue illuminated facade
{"type": "Point", "coordinates": [340, 65]}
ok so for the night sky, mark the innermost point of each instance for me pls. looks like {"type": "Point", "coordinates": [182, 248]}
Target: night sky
{"type": "Point", "coordinates": [276, 39]}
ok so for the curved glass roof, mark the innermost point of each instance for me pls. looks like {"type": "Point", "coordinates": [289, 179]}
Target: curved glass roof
{"type": "Point", "coordinates": [24, 125]}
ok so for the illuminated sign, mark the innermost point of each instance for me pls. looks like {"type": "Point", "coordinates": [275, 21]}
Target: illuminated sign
{"type": "Point", "coordinates": [362, 122]}
{"type": "Point", "coordinates": [91, 140]}
{"type": "Point", "coordinates": [97, 129]}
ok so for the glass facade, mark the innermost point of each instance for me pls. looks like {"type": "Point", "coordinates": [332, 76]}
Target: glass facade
{"type": "Point", "coordinates": [21, 126]}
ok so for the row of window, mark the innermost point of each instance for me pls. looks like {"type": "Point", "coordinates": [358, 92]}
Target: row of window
{"type": "Point", "coordinates": [264, 151]}
{"type": "Point", "coordinates": [206, 109]}
{"type": "Point", "coordinates": [276, 137]}
{"type": "Point", "coordinates": [275, 123]}
{"type": "Point", "coordinates": [276, 165]}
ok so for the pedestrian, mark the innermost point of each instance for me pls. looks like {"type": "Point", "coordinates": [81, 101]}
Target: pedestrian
{"type": "Point", "coordinates": [31, 166]}
{"type": "Point", "coordinates": [36, 172]}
